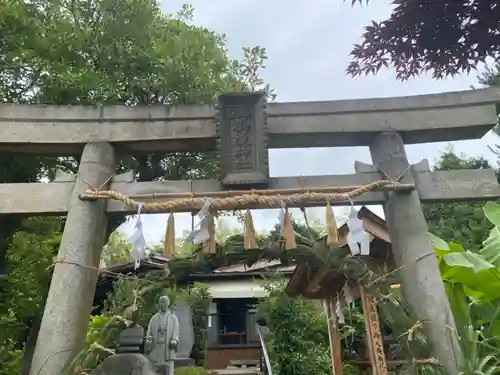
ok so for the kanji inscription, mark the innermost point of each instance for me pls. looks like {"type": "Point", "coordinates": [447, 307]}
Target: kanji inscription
{"type": "Point", "coordinates": [241, 119]}
{"type": "Point", "coordinates": [243, 139]}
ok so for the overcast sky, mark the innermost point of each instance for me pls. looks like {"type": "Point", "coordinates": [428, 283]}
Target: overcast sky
{"type": "Point", "coordinates": [308, 45]}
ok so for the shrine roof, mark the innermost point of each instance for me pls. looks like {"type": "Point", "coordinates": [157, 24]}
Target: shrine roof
{"type": "Point", "coordinates": [316, 281]}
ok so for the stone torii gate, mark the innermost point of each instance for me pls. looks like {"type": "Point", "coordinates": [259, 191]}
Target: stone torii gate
{"type": "Point", "coordinates": [242, 128]}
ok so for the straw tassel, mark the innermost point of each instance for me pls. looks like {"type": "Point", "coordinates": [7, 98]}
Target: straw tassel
{"type": "Point", "coordinates": [169, 242]}
{"type": "Point", "coordinates": [287, 232]}
{"type": "Point", "coordinates": [210, 245]}
{"type": "Point", "coordinates": [249, 235]}
{"type": "Point", "coordinates": [332, 238]}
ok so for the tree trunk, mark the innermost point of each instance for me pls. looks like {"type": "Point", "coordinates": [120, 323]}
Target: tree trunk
{"type": "Point", "coordinates": [29, 348]}
{"type": "Point", "coordinates": [8, 226]}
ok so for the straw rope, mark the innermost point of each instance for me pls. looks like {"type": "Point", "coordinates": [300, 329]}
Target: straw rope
{"type": "Point", "coordinates": [241, 201]}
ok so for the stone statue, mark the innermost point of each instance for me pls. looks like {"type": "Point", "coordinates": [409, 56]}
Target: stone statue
{"type": "Point", "coordinates": [162, 337]}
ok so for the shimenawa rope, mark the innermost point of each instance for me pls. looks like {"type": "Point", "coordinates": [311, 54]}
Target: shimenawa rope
{"type": "Point", "coordinates": [242, 201]}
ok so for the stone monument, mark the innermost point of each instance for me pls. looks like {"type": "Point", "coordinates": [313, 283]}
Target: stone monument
{"type": "Point", "coordinates": [128, 359]}
{"type": "Point", "coordinates": [186, 334]}
{"type": "Point", "coordinates": [162, 338]}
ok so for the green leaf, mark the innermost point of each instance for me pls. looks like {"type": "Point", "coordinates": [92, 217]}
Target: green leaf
{"type": "Point", "coordinates": [491, 247]}
{"type": "Point", "coordinates": [467, 259]}
{"type": "Point", "coordinates": [457, 259]}
{"type": "Point", "coordinates": [492, 212]}
{"type": "Point", "coordinates": [437, 242]}
{"type": "Point", "coordinates": [458, 305]}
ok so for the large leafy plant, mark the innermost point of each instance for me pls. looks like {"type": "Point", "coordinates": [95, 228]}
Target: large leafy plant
{"type": "Point", "coordinates": [472, 282]}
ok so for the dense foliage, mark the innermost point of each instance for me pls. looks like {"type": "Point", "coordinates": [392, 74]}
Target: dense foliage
{"type": "Point", "coordinates": [462, 222]}
{"type": "Point", "coordinates": [299, 342]}
{"type": "Point", "coordinates": [97, 53]}
{"type": "Point", "coordinates": [191, 370]}
{"type": "Point", "coordinates": [199, 300]}
{"type": "Point", "coordinates": [108, 52]}
{"type": "Point", "coordinates": [442, 37]}
{"type": "Point", "coordinates": [23, 294]}
{"type": "Point", "coordinates": [134, 301]}
{"type": "Point", "coordinates": [471, 278]}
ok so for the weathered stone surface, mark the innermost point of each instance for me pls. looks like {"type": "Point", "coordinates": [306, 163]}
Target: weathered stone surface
{"type": "Point", "coordinates": [126, 364]}
{"type": "Point", "coordinates": [414, 254]}
{"type": "Point", "coordinates": [423, 118]}
{"type": "Point", "coordinates": [69, 301]}
{"type": "Point", "coordinates": [242, 139]}
{"type": "Point", "coordinates": [186, 330]}
{"type": "Point", "coordinates": [437, 186]}
{"type": "Point", "coordinates": [131, 340]}
{"type": "Point", "coordinates": [162, 337]}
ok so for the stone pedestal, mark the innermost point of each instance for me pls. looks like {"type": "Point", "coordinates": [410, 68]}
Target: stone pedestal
{"type": "Point", "coordinates": [129, 359]}
{"type": "Point", "coordinates": [126, 363]}
{"type": "Point", "coordinates": [131, 340]}
{"type": "Point", "coordinates": [164, 369]}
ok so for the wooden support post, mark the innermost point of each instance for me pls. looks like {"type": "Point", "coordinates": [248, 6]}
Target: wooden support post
{"type": "Point", "coordinates": [373, 335]}
{"type": "Point", "coordinates": [69, 302]}
{"type": "Point", "coordinates": [421, 280]}
{"type": "Point", "coordinates": [333, 335]}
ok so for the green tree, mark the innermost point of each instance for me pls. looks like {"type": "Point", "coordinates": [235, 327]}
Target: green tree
{"type": "Point", "coordinates": [104, 52]}
{"type": "Point", "coordinates": [31, 258]}
{"type": "Point", "coordinates": [299, 343]}
{"type": "Point", "coordinates": [464, 223]}
{"type": "Point", "coordinates": [116, 251]}
{"type": "Point", "coordinates": [108, 52]}
{"type": "Point", "coordinates": [491, 77]}
{"type": "Point", "coordinates": [445, 38]}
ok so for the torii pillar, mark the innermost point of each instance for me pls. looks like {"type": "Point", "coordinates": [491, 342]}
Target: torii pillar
{"type": "Point", "coordinates": [69, 302]}
{"type": "Point", "coordinates": [413, 252]}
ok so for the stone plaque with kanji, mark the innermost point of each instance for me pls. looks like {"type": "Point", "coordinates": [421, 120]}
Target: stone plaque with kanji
{"type": "Point", "coordinates": [242, 139]}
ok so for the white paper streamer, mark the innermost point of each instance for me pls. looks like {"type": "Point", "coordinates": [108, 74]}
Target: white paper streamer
{"type": "Point", "coordinates": [200, 232]}
{"type": "Point", "coordinates": [339, 313]}
{"type": "Point", "coordinates": [348, 295]}
{"type": "Point", "coordinates": [204, 210]}
{"type": "Point", "coordinates": [137, 240]}
{"type": "Point", "coordinates": [357, 235]}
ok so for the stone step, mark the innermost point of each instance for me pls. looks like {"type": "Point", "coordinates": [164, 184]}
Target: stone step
{"type": "Point", "coordinates": [244, 362]}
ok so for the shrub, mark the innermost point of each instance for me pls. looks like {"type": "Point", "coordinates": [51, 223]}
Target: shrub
{"type": "Point", "coordinates": [191, 370]}
{"type": "Point", "coordinates": [12, 363]}
{"type": "Point", "coordinates": [299, 344]}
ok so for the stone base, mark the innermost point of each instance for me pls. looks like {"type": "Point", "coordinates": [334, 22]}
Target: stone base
{"type": "Point", "coordinates": [163, 369]}
{"type": "Point", "coordinates": [125, 363]}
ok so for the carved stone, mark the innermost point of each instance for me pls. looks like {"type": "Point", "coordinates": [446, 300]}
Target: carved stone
{"type": "Point", "coordinates": [186, 331]}
{"type": "Point", "coordinates": [131, 340]}
{"type": "Point", "coordinates": [242, 139]}
{"type": "Point", "coordinates": [162, 338]}
{"type": "Point", "coordinates": [125, 363]}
